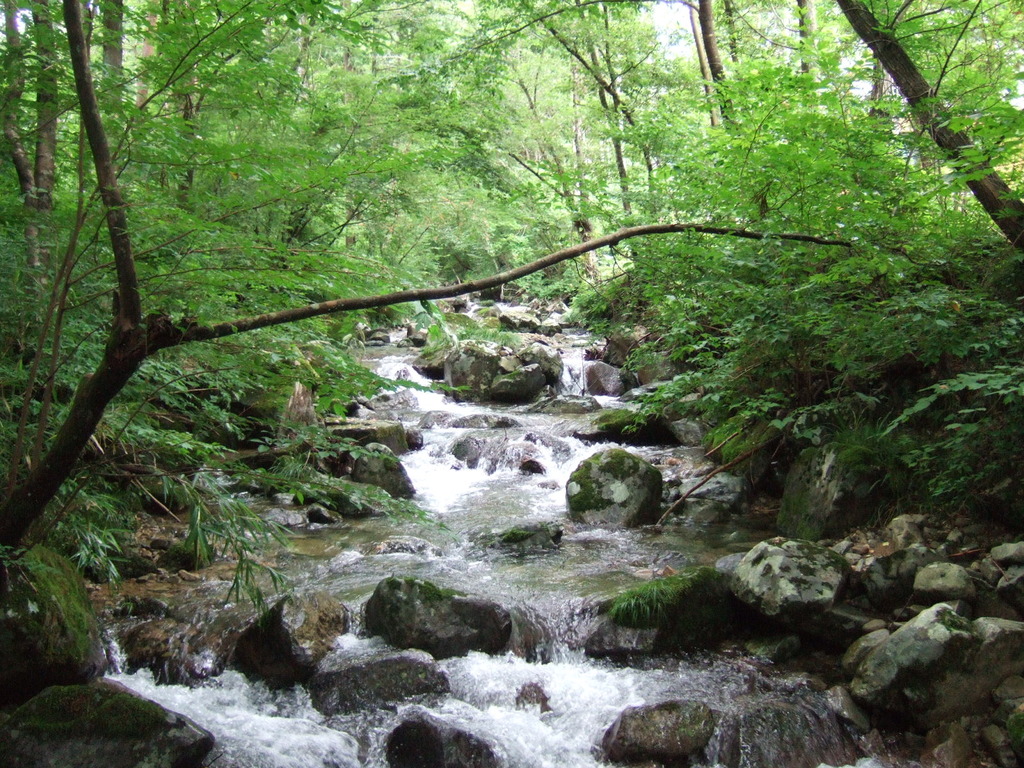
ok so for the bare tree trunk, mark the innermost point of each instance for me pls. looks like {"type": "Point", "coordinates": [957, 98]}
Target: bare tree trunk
{"type": "Point", "coordinates": [112, 12]}
{"type": "Point", "coordinates": [1002, 205]}
{"type": "Point", "coordinates": [807, 21]}
{"type": "Point", "coordinates": [705, 70]}
{"type": "Point", "coordinates": [706, 17]}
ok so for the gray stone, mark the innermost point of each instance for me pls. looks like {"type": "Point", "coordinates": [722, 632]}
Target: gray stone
{"type": "Point", "coordinates": [405, 545]}
{"type": "Point", "coordinates": [859, 650]}
{"type": "Point", "coordinates": [284, 645]}
{"type": "Point", "coordinates": [905, 531]}
{"type": "Point", "coordinates": [547, 358]}
{"type": "Point", "coordinates": [519, 386]}
{"type": "Point", "coordinates": [942, 582]}
{"type": "Point", "coordinates": [889, 580]}
{"type": "Point", "coordinates": [612, 641]}
{"type": "Point", "coordinates": [687, 431]}
{"type": "Point", "coordinates": [471, 366]}
{"type": "Point", "coordinates": [776, 649]}
{"type": "Point", "coordinates": [101, 724]}
{"type": "Point", "coordinates": [517, 319]}
{"type": "Point", "coordinates": [790, 581]}
{"type": "Point", "coordinates": [380, 467]}
{"type": "Point", "coordinates": [1009, 554]}
{"type": "Point", "coordinates": [824, 498]}
{"type": "Point", "coordinates": [411, 613]}
{"type": "Point", "coordinates": [603, 379]}
{"type": "Point", "coordinates": [344, 683]}
{"type": "Point", "coordinates": [997, 744]}
{"type": "Point", "coordinates": [423, 740]}
{"type": "Point", "coordinates": [939, 666]}
{"type": "Point", "coordinates": [671, 731]}
{"type": "Point", "coordinates": [842, 704]}
{"type": "Point", "coordinates": [614, 487]}
{"type": "Point", "coordinates": [1011, 586]}
{"type": "Point", "coordinates": [366, 431]}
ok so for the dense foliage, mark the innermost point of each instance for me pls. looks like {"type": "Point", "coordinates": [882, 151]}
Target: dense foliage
{"type": "Point", "coordinates": [275, 154]}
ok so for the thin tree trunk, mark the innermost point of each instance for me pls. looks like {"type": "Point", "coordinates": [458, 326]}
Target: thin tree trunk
{"type": "Point", "coordinates": [705, 70]}
{"type": "Point", "coordinates": [807, 21]}
{"type": "Point", "coordinates": [1002, 205]}
{"type": "Point", "coordinates": [113, 35]}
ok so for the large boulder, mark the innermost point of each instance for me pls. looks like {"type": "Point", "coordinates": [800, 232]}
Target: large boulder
{"type": "Point", "coordinates": [518, 319]}
{"type": "Point", "coordinates": [412, 613]}
{"type": "Point", "coordinates": [48, 631]}
{"type": "Point", "coordinates": [823, 497]}
{"type": "Point", "coordinates": [939, 665]}
{"type": "Point", "coordinates": [614, 487]}
{"type": "Point", "coordinates": [670, 732]}
{"type": "Point", "coordinates": [286, 643]}
{"type": "Point", "coordinates": [518, 386]}
{"type": "Point", "coordinates": [424, 740]}
{"type": "Point", "coordinates": [791, 581]}
{"type": "Point", "coordinates": [366, 431]}
{"type": "Point", "coordinates": [797, 733]}
{"type": "Point", "coordinates": [691, 609]}
{"type": "Point", "coordinates": [344, 683]}
{"type": "Point", "coordinates": [889, 580]}
{"type": "Point", "coordinates": [102, 723]}
{"type": "Point", "coordinates": [380, 467]}
{"type": "Point", "coordinates": [603, 379]}
{"type": "Point", "coordinates": [547, 358]}
{"type": "Point", "coordinates": [471, 366]}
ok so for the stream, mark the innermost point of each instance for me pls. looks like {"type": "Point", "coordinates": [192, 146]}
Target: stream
{"type": "Point", "coordinates": [766, 718]}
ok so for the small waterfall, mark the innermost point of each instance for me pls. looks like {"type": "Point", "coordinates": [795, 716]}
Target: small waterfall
{"type": "Point", "coordinates": [573, 366]}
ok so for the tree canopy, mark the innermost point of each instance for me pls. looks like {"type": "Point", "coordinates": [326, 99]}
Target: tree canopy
{"type": "Point", "coordinates": [835, 190]}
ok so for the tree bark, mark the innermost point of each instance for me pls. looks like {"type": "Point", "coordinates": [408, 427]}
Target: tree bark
{"type": "Point", "coordinates": [705, 70]}
{"type": "Point", "coordinates": [807, 22]}
{"type": "Point", "coordinates": [1002, 205]}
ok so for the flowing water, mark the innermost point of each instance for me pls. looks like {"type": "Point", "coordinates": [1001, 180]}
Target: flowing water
{"type": "Point", "coordinates": [556, 592]}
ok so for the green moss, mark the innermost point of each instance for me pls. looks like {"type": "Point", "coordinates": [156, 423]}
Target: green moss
{"type": "Point", "coordinates": [954, 622]}
{"type": "Point", "coordinates": [98, 710]}
{"type": "Point", "coordinates": [49, 608]}
{"type": "Point", "coordinates": [689, 609]}
{"type": "Point", "coordinates": [516, 536]}
{"type": "Point", "coordinates": [181, 556]}
{"type": "Point", "coordinates": [1015, 728]}
{"type": "Point", "coordinates": [427, 590]}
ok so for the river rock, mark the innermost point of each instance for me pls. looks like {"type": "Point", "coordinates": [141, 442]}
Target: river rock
{"type": "Point", "coordinates": [860, 649]}
{"type": "Point", "coordinates": [1011, 553]}
{"type": "Point", "coordinates": [823, 497]}
{"type": "Point", "coordinates": [1011, 586]}
{"type": "Point", "coordinates": [101, 724]}
{"type": "Point", "coordinates": [547, 358]}
{"type": "Point", "coordinates": [528, 538]}
{"type": "Point", "coordinates": [424, 740]}
{"type": "Point", "coordinates": [939, 666]}
{"type": "Point", "coordinates": [790, 581]}
{"type": "Point", "coordinates": [614, 487]}
{"type": "Point", "coordinates": [48, 631]}
{"type": "Point", "coordinates": [1015, 731]}
{"type": "Point", "coordinates": [343, 683]}
{"type": "Point", "coordinates": [471, 366]}
{"type": "Point", "coordinates": [905, 531]}
{"type": "Point", "coordinates": [889, 580]}
{"type": "Point", "coordinates": [284, 645]}
{"type": "Point", "coordinates": [380, 467]}
{"type": "Point", "coordinates": [624, 425]}
{"type": "Point", "coordinates": [367, 431]}
{"type": "Point", "coordinates": [687, 431]}
{"type": "Point", "coordinates": [789, 734]}
{"type": "Point", "coordinates": [519, 386]}
{"type": "Point", "coordinates": [610, 640]}
{"type": "Point", "coordinates": [603, 379]}
{"type": "Point", "coordinates": [518, 319]}
{"type": "Point", "coordinates": [404, 545]}
{"type": "Point", "coordinates": [687, 610]}
{"type": "Point", "coordinates": [412, 613]}
{"type": "Point", "coordinates": [182, 652]}
{"type": "Point", "coordinates": [943, 582]}
{"type": "Point", "coordinates": [670, 732]}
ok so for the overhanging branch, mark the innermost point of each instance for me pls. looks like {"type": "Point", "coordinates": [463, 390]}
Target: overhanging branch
{"type": "Point", "coordinates": [165, 337]}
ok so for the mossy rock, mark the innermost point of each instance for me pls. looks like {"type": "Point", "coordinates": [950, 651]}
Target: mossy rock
{"type": "Point", "coordinates": [102, 723]}
{"type": "Point", "coordinates": [628, 426]}
{"type": "Point", "coordinates": [614, 487]}
{"type": "Point", "coordinates": [48, 631]}
{"type": "Point", "coordinates": [530, 538]}
{"type": "Point", "coordinates": [691, 609]}
{"type": "Point", "coordinates": [1015, 728]}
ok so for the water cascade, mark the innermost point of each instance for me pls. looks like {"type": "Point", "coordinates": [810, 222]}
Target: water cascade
{"type": "Point", "coordinates": [469, 476]}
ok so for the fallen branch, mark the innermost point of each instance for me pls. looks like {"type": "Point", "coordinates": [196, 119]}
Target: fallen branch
{"type": "Point", "coordinates": [729, 465]}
